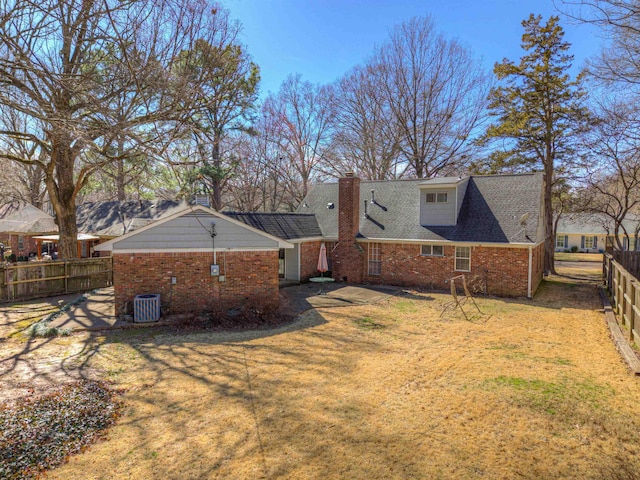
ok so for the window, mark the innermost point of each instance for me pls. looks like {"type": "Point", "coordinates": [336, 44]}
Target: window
{"type": "Point", "coordinates": [588, 242]}
{"type": "Point", "coordinates": [432, 250]}
{"type": "Point", "coordinates": [463, 259]}
{"type": "Point", "coordinates": [374, 259]}
{"type": "Point", "coordinates": [560, 241]}
{"type": "Point", "coordinates": [20, 242]}
{"type": "Point", "coordinates": [440, 197]}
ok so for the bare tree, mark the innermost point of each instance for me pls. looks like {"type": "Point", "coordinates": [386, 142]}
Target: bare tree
{"type": "Point", "coordinates": [65, 62]}
{"type": "Point", "coordinates": [300, 119]}
{"type": "Point", "coordinates": [619, 59]}
{"type": "Point", "coordinates": [367, 139]}
{"type": "Point", "coordinates": [436, 91]}
{"type": "Point", "coordinates": [612, 183]}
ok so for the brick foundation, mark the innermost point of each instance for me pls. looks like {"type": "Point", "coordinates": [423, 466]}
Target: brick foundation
{"type": "Point", "coordinates": [502, 270]}
{"type": "Point", "coordinates": [251, 278]}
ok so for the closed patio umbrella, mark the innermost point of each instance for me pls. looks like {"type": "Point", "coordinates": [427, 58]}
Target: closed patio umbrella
{"type": "Point", "coordinates": [323, 265]}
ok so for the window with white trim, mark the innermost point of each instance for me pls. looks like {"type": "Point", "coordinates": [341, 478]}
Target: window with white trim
{"type": "Point", "coordinates": [20, 242]}
{"type": "Point", "coordinates": [588, 242]}
{"type": "Point", "coordinates": [375, 265]}
{"type": "Point", "coordinates": [436, 197]}
{"type": "Point", "coordinates": [463, 259]}
{"type": "Point", "coordinates": [432, 250]}
{"type": "Point", "coordinates": [560, 241]}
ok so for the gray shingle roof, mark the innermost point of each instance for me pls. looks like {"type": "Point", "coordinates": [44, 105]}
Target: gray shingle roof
{"type": "Point", "coordinates": [491, 210]}
{"type": "Point", "coordinates": [288, 226]}
{"type": "Point", "coordinates": [112, 219]}
{"type": "Point", "coordinates": [26, 219]}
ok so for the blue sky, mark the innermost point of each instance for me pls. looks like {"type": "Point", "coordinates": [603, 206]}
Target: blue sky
{"type": "Point", "coordinates": [322, 39]}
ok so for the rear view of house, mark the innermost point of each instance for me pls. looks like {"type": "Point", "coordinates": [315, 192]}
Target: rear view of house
{"type": "Point", "coordinates": [424, 232]}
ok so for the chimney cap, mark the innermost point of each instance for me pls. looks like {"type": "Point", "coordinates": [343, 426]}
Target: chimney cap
{"type": "Point", "coordinates": [348, 174]}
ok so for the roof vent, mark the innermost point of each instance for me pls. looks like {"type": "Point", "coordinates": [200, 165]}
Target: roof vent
{"type": "Point", "coordinates": [200, 199]}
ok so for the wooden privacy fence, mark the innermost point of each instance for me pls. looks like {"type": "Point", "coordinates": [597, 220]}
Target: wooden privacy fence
{"type": "Point", "coordinates": [43, 279]}
{"type": "Point", "coordinates": [630, 261]}
{"type": "Point", "coordinates": [624, 289]}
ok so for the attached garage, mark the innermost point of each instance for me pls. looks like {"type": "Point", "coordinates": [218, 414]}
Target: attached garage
{"type": "Point", "coordinates": [197, 260]}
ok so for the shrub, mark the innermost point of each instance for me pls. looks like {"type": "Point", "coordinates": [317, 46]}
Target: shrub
{"type": "Point", "coordinates": [574, 249]}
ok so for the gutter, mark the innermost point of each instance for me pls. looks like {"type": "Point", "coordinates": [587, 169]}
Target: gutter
{"type": "Point", "coordinates": [529, 294]}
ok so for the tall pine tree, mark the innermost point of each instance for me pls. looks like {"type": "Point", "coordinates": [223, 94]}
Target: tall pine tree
{"type": "Point", "coordinates": [538, 111]}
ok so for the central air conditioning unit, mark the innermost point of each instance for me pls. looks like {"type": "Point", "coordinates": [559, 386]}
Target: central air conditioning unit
{"type": "Point", "coordinates": [146, 308]}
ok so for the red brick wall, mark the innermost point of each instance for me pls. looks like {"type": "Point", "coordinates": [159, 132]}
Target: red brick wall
{"type": "Point", "coordinates": [348, 256]}
{"type": "Point", "coordinates": [251, 279]}
{"type": "Point", "coordinates": [537, 270]}
{"type": "Point", "coordinates": [309, 254]}
{"type": "Point", "coordinates": [11, 241]}
{"type": "Point", "coordinates": [504, 271]}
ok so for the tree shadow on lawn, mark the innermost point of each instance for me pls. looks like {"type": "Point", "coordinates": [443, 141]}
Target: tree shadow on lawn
{"type": "Point", "coordinates": [247, 394]}
{"type": "Point", "coordinates": [259, 404]}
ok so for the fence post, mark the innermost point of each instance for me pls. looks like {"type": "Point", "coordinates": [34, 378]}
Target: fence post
{"type": "Point", "coordinates": [633, 295]}
{"type": "Point", "coordinates": [66, 278]}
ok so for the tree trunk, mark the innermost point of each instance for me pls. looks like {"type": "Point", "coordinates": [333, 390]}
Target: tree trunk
{"type": "Point", "coordinates": [216, 181]}
{"type": "Point", "coordinates": [120, 180]}
{"type": "Point", "coordinates": [549, 242]}
{"type": "Point", "coordinates": [62, 193]}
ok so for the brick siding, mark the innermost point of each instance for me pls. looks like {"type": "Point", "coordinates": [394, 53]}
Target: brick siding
{"type": "Point", "coordinates": [251, 278]}
{"type": "Point", "coordinates": [502, 270]}
{"type": "Point", "coordinates": [348, 256]}
{"type": "Point", "coordinates": [11, 241]}
{"type": "Point", "coordinates": [309, 254]}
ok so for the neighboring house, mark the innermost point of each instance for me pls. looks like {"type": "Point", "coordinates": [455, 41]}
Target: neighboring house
{"type": "Point", "coordinates": [198, 260]}
{"type": "Point", "coordinates": [592, 233]}
{"type": "Point", "coordinates": [111, 219]}
{"type": "Point", "coordinates": [20, 223]}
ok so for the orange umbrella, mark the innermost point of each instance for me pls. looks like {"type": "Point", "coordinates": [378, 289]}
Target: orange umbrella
{"type": "Point", "coordinates": [323, 265]}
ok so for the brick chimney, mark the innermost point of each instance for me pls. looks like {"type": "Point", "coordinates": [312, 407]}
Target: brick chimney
{"type": "Point", "coordinates": [348, 257]}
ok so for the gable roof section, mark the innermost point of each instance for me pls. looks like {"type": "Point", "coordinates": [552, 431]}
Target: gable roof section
{"type": "Point", "coordinates": [24, 218]}
{"type": "Point", "coordinates": [112, 219]}
{"type": "Point", "coordinates": [183, 242]}
{"type": "Point", "coordinates": [288, 226]}
{"type": "Point", "coordinates": [491, 211]}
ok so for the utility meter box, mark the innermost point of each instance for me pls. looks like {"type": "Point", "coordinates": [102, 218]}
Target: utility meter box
{"type": "Point", "coordinates": [215, 270]}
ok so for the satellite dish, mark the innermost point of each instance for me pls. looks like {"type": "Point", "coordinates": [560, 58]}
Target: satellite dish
{"type": "Point", "coordinates": [523, 219]}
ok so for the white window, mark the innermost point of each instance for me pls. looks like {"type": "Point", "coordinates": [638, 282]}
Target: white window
{"type": "Point", "coordinates": [440, 197]}
{"type": "Point", "coordinates": [432, 250]}
{"type": "Point", "coordinates": [560, 241]}
{"type": "Point", "coordinates": [588, 242]}
{"type": "Point", "coordinates": [463, 259]}
{"type": "Point", "coordinates": [375, 265]}
{"type": "Point", "coordinates": [20, 242]}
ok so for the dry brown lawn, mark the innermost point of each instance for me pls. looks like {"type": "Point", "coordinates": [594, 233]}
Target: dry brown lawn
{"type": "Point", "coordinates": [531, 389]}
{"type": "Point", "coordinates": [578, 257]}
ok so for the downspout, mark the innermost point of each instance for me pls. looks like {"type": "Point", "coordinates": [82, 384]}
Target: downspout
{"type": "Point", "coordinates": [529, 294]}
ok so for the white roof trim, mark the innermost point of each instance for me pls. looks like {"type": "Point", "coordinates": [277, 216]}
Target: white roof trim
{"type": "Point", "coordinates": [108, 245]}
{"type": "Point", "coordinates": [449, 242]}
{"type": "Point", "coordinates": [193, 250]}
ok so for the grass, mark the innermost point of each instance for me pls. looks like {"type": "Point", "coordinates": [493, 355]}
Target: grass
{"type": "Point", "coordinates": [385, 391]}
{"type": "Point", "coordinates": [577, 257]}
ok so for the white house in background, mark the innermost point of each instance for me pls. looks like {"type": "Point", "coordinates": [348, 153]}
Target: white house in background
{"type": "Point", "coordinates": [593, 233]}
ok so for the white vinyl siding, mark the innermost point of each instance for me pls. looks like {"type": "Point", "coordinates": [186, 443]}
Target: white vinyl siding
{"type": "Point", "coordinates": [463, 259]}
{"type": "Point", "coordinates": [438, 207]}
{"type": "Point", "coordinates": [374, 263]}
{"type": "Point", "coordinates": [432, 250]}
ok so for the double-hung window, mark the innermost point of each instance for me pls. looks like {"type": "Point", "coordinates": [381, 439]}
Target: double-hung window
{"type": "Point", "coordinates": [375, 265]}
{"type": "Point", "coordinates": [463, 259]}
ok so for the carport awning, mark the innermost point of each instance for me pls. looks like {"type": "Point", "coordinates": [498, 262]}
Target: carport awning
{"type": "Point", "coordinates": [56, 238]}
